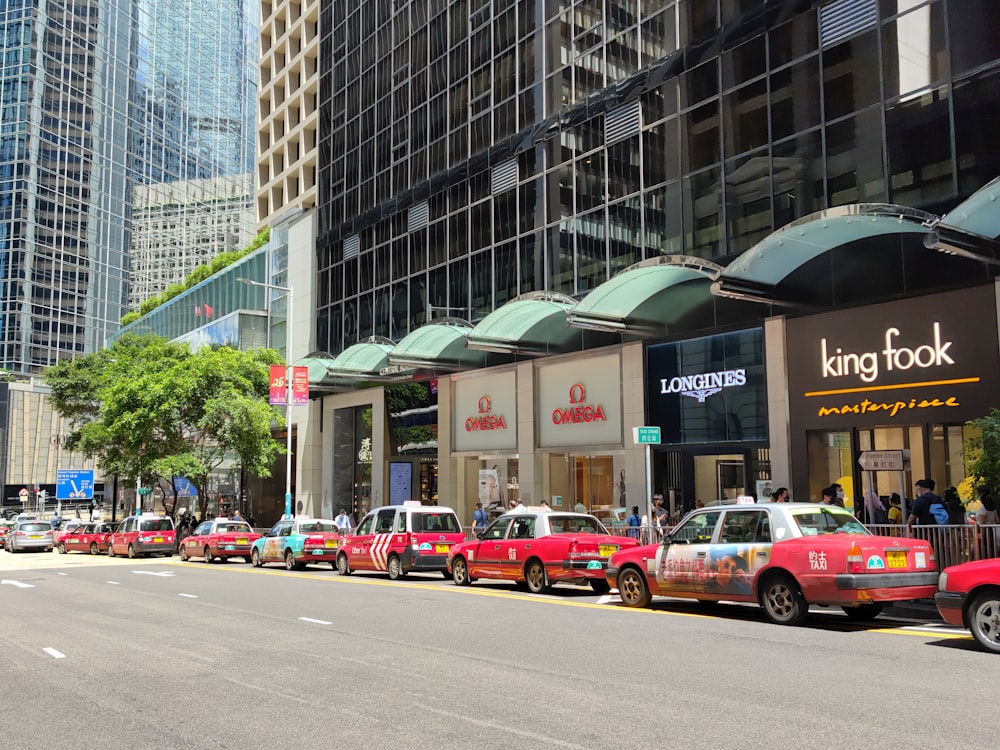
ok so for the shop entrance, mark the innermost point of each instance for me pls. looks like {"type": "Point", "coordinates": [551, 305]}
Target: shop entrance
{"type": "Point", "coordinates": [696, 477]}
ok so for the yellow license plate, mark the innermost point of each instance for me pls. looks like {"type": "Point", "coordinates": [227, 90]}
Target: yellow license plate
{"type": "Point", "coordinates": [242, 540]}
{"type": "Point", "coordinates": [896, 558]}
{"type": "Point", "coordinates": [331, 543]}
{"type": "Point", "coordinates": [157, 540]}
{"type": "Point", "coordinates": [607, 550]}
{"type": "Point", "coordinates": [441, 549]}
{"type": "Point", "coordinates": [35, 536]}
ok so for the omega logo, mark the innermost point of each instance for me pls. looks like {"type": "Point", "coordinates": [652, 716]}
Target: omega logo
{"type": "Point", "coordinates": [486, 419]}
{"type": "Point", "coordinates": [579, 410]}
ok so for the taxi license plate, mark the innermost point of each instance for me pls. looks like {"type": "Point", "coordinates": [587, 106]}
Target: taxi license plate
{"type": "Point", "coordinates": [441, 549]}
{"type": "Point", "coordinates": [157, 540]}
{"type": "Point", "coordinates": [331, 543]}
{"type": "Point", "coordinates": [607, 550]}
{"type": "Point", "coordinates": [896, 558]}
{"type": "Point", "coordinates": [242, 540]}
{"type": "Point", "coordinates": [35, 536]}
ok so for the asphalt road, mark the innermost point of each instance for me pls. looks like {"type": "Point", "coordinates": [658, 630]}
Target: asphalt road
{"type": "Point", "coordinates": [162, 654]}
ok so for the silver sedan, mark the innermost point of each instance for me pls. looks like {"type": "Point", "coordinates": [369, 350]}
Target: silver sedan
{"type": "Point", "coordinates": [30, 535]}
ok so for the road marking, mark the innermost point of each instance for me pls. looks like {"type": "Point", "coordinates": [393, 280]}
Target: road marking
{"type": "Point", "coordinates": [18, 584]}
{"type": "Point", "coordinates": [62, 574]}
{"type": "Point", "coordinates": [151, 573]}
{"type": "Point", "coordinates": [318, 622]}
{"type": "Point", "coordinates": [540, 739]}
{"type": "Point", "coordinates": [188, 596]}
{"type": "Point", "coordinates": [54, 654]}
{"type": "Point", "coordinates": [113, 583]}
{"type": "Point", "coordinates": [606, 599]}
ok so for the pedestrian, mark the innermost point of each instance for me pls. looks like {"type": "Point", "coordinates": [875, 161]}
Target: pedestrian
{"type": "Point", "coordinates": [829, 494]}
{"type": "Point", "coordinates": [895, 511]}
{"type": "Point", "coordinates": [875, 512]}
{"type": "Point", "coordinates": [838, 494]}
{"type": "Point", "coordinates": [987, 515]}
{"type": "Point", "coordinates": [920, 510]}
{"type": "Point", "coordinates": [634, 522]}
{"type": "Point", "coordinates": [95, 513]}
{"type": "Point", "coordinates": [237, 516]}
{"type": "Point", "coordinates": [545, 506]}
{"type": "Point", "coordinates": [77, 512]}
{"type": "Point", "coordinates": [479, 517]}
{"type": "Point", "coordinates": [780, 495]}
{"type": "Point", "coordinates": [343, 521]}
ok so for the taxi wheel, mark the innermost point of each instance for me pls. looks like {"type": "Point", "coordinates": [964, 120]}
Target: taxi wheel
{"type": "Point", "coordinates": [255, 559]}
{"type": "Point", "coordinates": [111, 550]}
{"type": "Point", "coordinates": [62, 548]}
{"type": "Point", "coordinates": [983, 617]}
{"type": "Point", "coordinates": [343, 567]}
{"type": "Point", "coordinates": [394, 568]}
{"type": "Point", "coordinates": [783, 602]}
{"type": "Point", "coordinates": [207, 554]}
{"type": "Point", "coordinates": [289, 560]}
{"type": "Point", "coordinates": [534, 576]}
{"type": "Point", "coordinates": [184, 553]}
{"type": "Point", "coordinates": [863, 612]}
{"type": "Point", "coordinates": [460, 572]}
{"type": "Point", "coordinates": [600, 585]}
{"type": "Point", "coordinates": [632, 588]}
{"type": "Point", "coordinates": [131, 552]}
{"type": "Point", "coordinates": [94, 549]}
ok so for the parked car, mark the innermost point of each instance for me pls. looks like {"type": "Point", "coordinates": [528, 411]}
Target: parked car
{"type": "Point", "coordinates": [297, 543]}
{"type": "Point", "coordinates": [969, 596]}
{"type": "Point", "coordinates": [784, 556]}
{"type": "Point", "coordinates": [539, 548]}
{"type": "Point", "coordinates": [29, 535]}
{"type": "Point", "coordinates": [147, 534]}
{"type": "Point", "coordinates": [219, 539]}
{"type": "Point", "coordinates": [87, 537]}
{"type": "Point", "coordinates": [401, 538]}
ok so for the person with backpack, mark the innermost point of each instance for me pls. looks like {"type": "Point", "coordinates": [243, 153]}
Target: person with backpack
{"type": "Point", "coordinates": [925, 505]}
{"type": "Point", "coordinates": [634, 522]}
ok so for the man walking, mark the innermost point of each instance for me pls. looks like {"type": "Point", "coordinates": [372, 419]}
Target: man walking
{"type": "Point", "coordinates": [479, 517]}
{"type": "Point", "coordinates": [920, 511]}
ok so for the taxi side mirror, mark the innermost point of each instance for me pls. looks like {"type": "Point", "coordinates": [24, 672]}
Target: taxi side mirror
{"type": "Point", "coordinates": [479, 535]}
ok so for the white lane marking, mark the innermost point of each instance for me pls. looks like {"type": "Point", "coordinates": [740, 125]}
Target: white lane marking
{"type": "Point", "coordinates": [113, 583]}
{"type": "Point", "coordinates": [54, 654]}
{"type": "Point", "coordinates": [188, 596]}
{"type": "Point", "coordinates": [151, 573]}
{"type": "Point", "coordinates": [18, 584]}
{"type": "Point", "coordinates": [539, 739]}
{"type": "Point", "coordinates": [62, 574]}
{"type": "Point", "coordinates": [318, 622]}
{"type": "Point", "coordinates": [606, 599]}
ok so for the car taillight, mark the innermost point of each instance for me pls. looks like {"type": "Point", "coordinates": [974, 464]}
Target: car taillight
{"type": "Point", "coordinates": [855, 560]}
{"type": "Point", "coordinates": [574, 549]}
{"type": "Point", "coordinates": [19, 533]}
{"type": "Point", "coordinates": [313, 541]}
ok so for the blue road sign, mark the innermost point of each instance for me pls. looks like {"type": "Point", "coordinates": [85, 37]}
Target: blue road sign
{"type": "Point", "coordinates": [75, 484]}
{"type": "Point", "coordinates": [184, 487]}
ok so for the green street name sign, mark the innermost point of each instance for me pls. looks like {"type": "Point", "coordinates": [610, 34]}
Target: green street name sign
{"type": "Point", "coordinates": [646, 435]}
{"type": "Point", "coordinates": [145, 490]}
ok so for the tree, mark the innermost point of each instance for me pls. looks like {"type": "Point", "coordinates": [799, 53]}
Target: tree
{"type": "Point", "coordinates": [982, 454]}
{"type": "Point", "coordinates": [149, 408]}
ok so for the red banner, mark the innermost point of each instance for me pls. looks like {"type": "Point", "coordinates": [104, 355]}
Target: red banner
{"type": "Point", "coordinates": [300, 385]}
{"type": "Point", "coordinates": [278, 392]}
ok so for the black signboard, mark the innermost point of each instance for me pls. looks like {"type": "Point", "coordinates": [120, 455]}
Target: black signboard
{"type": "Point", "coordinates": [927, 360]}
{"type": "Point", "coordinates": [708, 390]}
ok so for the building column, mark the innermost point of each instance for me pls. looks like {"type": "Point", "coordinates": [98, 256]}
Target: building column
{"type": "Point", "coordinates": [776, 367]}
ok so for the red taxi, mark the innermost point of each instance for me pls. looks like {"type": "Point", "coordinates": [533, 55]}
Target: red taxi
{"type": "Point", "coordinates": [539, 548]}
{"type": "Point", "coordinates": [785, 556]}
{"type": "Point", "coordinates": [969, 596]}
{"type": "Point", "coordinates": [219, 539]}
{"type": "Point", "coordinates": [87, 537]}
{"type": "Point", "coordinates": [400, 539]}
{"type": "Point", "coordinates": [297, 543]}
{"type": "Point", "coordinates": [147, 534]}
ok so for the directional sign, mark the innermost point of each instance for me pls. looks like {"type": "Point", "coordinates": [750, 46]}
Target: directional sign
{"type": "Point", "coordinates": [74, 484]}
{"type": "Point", "coordinates": [646, 435]}
{"type": "Point", "coordinates": [881, 461]}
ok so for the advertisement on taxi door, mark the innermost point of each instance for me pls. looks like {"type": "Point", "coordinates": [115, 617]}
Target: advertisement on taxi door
{"type": "Point", "coordinates": [711, 568]}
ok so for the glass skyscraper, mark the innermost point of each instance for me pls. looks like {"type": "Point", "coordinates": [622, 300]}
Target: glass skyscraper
{"type": "Point", "coordinates": [98, 98]}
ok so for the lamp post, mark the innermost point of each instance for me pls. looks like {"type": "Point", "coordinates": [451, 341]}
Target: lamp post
{"type": "Point", "coordinates": [287, 291]}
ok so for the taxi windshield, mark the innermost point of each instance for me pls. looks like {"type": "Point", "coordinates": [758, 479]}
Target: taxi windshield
{"type": "Point", "coordinates": [230, 528]}
{"type": "Point", "coordinates": [575, 525]}
{"type": "Point", "coordinates": [435, 522]}
{"type": "Point", "coordinates": [827, 521]}
{"type": "Point", "coordinates": [156, 524]}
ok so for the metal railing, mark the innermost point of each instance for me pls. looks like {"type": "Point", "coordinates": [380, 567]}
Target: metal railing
{"type": "Point", "coordinates": [952, 544]}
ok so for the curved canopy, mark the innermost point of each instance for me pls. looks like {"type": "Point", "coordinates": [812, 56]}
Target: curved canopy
{"type": "Point", "coordinates": [318, 364]}
{"type": "Point", "coordinates": [437, 346]}
{"type": "Point", "coordinates": [366, 360]}
{"type": "Point", "coordinates": [796, 255]}
{"type": "Point", "coordinates": [648, 298]}
{"type": "Point", "coordinates": [533, 323]}
{"type": "Point", "coordinates": [972, 228]}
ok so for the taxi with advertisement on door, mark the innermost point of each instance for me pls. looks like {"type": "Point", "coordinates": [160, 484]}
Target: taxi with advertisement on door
{"type": "Point", "coordinates": [147, 534]}
{"type": "Point", "coordinates": [401, 538]}
{"type": "Point", "coordinates": [298, 542]}
{"type": "Point", "coordinates": [785, 556]}
{"type": "Point", "coordinates": [219, 539]}
{"type": "Point", "coordinates": [537, 548]}
{"type": "Point", "coordinates": [87, 537]}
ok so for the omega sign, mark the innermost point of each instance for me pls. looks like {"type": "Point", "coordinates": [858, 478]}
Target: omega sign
{"type": "Point", "coordinates": [485, 419]}
{"type": "Point", "coordinates": [578, 410]}
{"type": "Point", "coordinates": [704, 384]}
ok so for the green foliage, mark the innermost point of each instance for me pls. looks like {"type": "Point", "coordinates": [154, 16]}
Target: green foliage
{"type": "Point", "coordinates": [172, 291]}
{"type": "Point", "coordinates": [130, 317]}
{"type": "Point", "coordinates": [982, 454]}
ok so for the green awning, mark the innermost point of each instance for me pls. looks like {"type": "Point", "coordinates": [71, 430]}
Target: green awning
{"type": "Point", "coordinates": [366, 360]}
{"type": "Point", "coordinates": [648, 298]}
{"type": "Point", "coordinates": [758, 272]}
{"type": "Point", "coordinates": [438, 346]}
{"type": "Point", "coordinates": [972, 228]}
{"type": "Point", "coordinates": [318, 364]}
{"type": "Point", "coordinates": [533, 323]}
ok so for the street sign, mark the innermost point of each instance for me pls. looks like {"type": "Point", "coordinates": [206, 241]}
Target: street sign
{"type": "Point", "coordinates": [145, 490]}
{"type": "Point", "coordinates": [23, 492]}
{"type": "Point", "coordinates": [882, 461]}
{"type": "Point", "coordinates": [646, 435]}
{"type": "Point", "coordinates": [74, 484]}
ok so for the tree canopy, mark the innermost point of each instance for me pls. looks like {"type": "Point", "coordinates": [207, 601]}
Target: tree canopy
{"type": "Point", "coordinates": [146, 407]}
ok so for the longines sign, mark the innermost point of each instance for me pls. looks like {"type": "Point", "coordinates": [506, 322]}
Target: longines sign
{"type": "Point", "coordinates": [928, 359]}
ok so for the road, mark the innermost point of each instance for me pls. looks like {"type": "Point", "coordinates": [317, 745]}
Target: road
{"type": "Point", "coordinates": [162, 654]}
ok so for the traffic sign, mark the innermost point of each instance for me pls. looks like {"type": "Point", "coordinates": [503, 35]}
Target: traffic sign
{"type": "Point", "coordinates": [23, 492]}
{"type": "Point", "coordinates": [75, 484]}
{"type": "Point", "coordinates": [882, 461]}
{"type": "Point", "coordinates": [646, 435]}
{"type": "Point", "coordinates": [145, 490]}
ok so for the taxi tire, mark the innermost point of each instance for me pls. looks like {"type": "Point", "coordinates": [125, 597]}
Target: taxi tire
{"type": "Point", "coordinates": [394, 568]}
{"type": "Point", "coordinates": [981, 617]}
{"type": "Point", "coordinates": [290, 560]}
{"type": "Point", "coordinates": [600, 585]}
{"type": "Point", "coordinates": [343, 566]}
{"type": "Point", "coordinates": [782, 600]}
{"type": "Point", "coordinates": [184, 553]}
{"type": "Point", "coordinates": [460, 572]}
{"type": "Point", "coordinates": [131, 552]}
{"type": "Point", "coordinates": [632, 588]}
{"type": "Point", "coordinates": [255, 559]}
{"type": "Point", "coordinates": [111, 550]}
{"type": "Point", "coordinates": [535, 578]}
{"type": "Point", "coordinates": [61, 548]}
{"type": "Point", "coordinates": [863, 612]}
{"type": "Point", "coordinates": [94, 549]}
{"type": "Point", "coordinates": [207, 553]}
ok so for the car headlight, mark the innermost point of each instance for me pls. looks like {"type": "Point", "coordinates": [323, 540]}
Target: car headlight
{"type": "Point", "coordinates": [943, 581]}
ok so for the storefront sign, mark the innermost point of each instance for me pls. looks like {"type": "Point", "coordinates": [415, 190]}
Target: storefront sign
{"type": "Point", "coordinates": [914, 361]}
{"type": "Point", "coordinates": [579, 402]}
{"type": "Point", "coordinates": [708, 390]}
{"type": "Point", "coordinates": [485, 411]}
